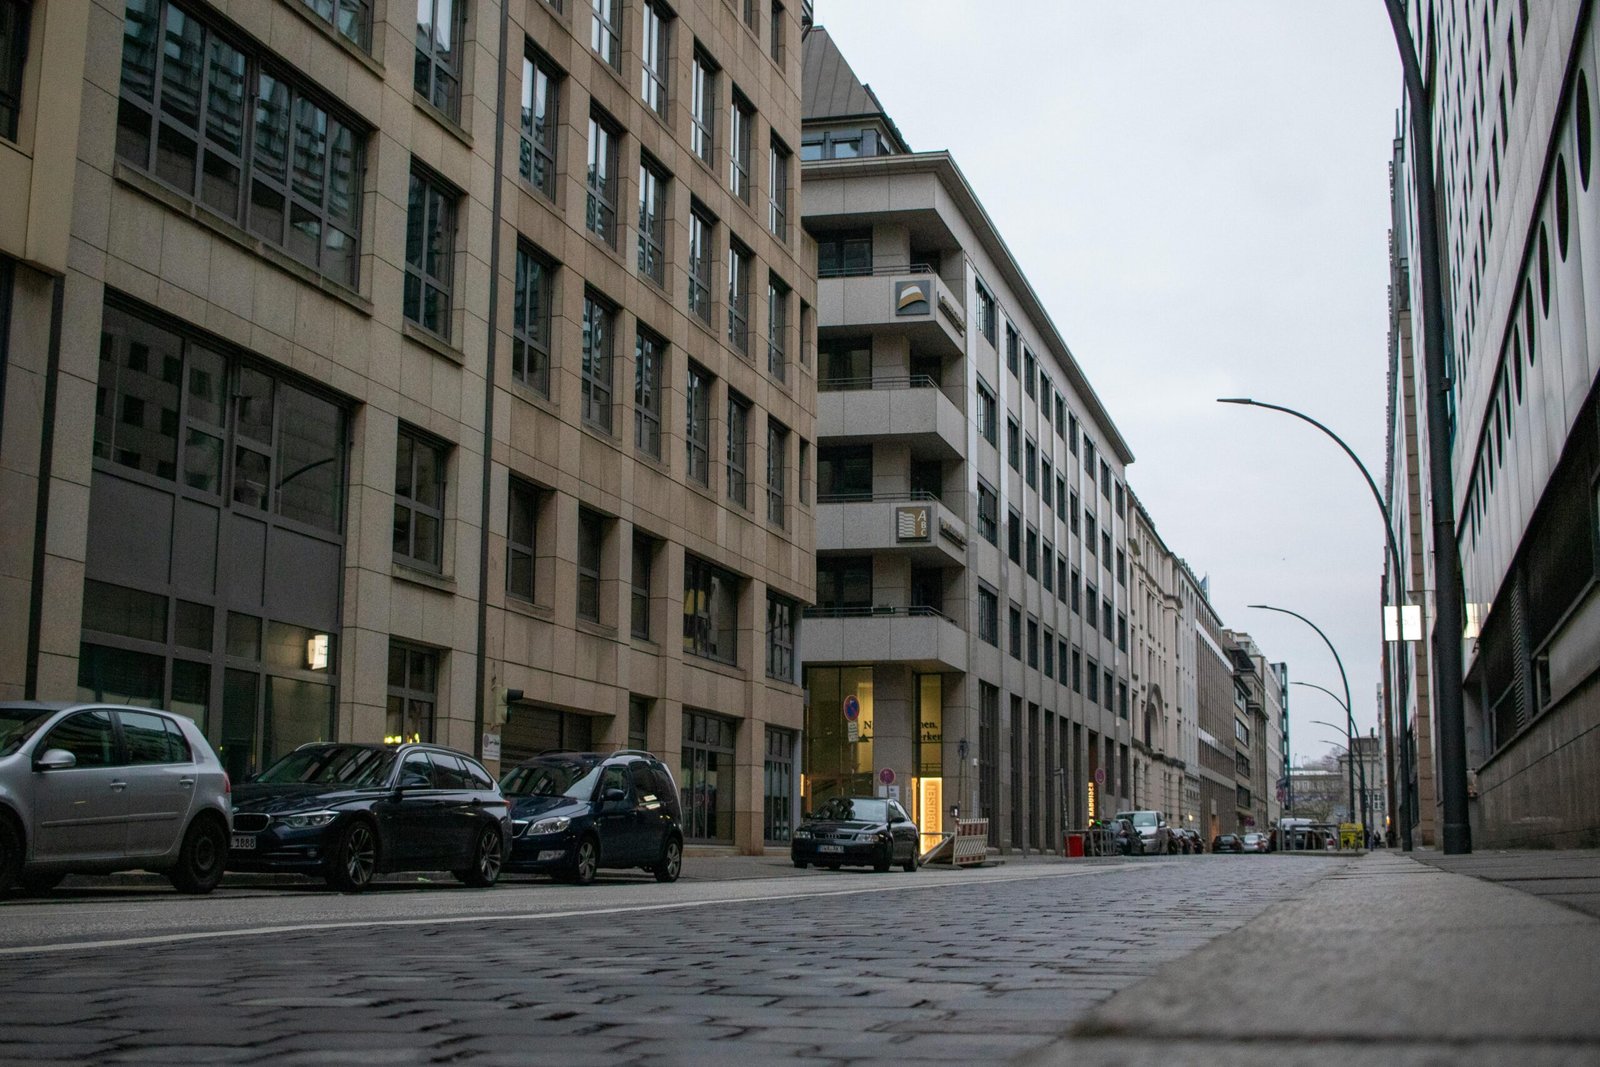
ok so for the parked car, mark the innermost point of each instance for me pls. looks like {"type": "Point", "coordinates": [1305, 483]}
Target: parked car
{"type": "Point", "coordinates": [1197, 844]}
{"type": "Point", "coordinates": [1124, 838]}
{"type": "Point", "coordinates": [94, 788]}
{"type": "Point", "coordinates": [1254, 842]}
{"type": "Point", "coordinates": [1152, 827]}
{"type": "Point", "coordinates": [857, 832]}
{"type": "Point", "coordinates": [573, 813]}
{"type": "Point", "coordinates": [1227, 843]}
{"type": "Point", "coordinates": [347, 812]}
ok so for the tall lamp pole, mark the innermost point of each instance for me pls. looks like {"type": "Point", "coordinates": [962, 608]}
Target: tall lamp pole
{"type": "Point", "coordinates": [1345, 748]}
{"type": "Point", "coordinates": [1404, 776]}
{"type": "Point", "coordinates": [1449, 712]}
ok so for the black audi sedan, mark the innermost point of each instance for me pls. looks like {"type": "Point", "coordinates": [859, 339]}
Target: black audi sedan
{"type": "Point", "coordinates": [857, 832]}
{"type": "Point", "coordinates": [573, 813]}
{"type": "Point", "coordinates": [347, 812]}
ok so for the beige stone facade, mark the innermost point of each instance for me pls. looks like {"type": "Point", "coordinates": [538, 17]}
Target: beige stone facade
{"type": "Point", "coordinates": [325, 456]}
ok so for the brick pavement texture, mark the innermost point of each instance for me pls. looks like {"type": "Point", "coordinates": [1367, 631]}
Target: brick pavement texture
{"type": "Point", "coordinates": [947, 973]}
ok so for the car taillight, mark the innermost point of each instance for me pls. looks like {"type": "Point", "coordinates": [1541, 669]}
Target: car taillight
{"type": "Point", "coordinates": [227, 784]}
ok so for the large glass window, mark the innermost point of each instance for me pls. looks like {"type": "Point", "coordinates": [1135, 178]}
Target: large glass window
{"type": "Point", "coordinates": [777, 805]}
{"type": "Point", "coordinates": [13, 54]}
{"type": "Point", "coordinates": [778, 157]}
{"type": "Point", "coordinates": [845, 364]}
{"type": "Point", "coordinates": [591, 547]}
{"type": "Point", "coordinates": [522, 527]}
{"type": "Point", "coordinates": [541, 88]}
{"type": "Point", "coordinates": [644, 554]}
{"type": "Point", "coordinates": [437, 73]}
{"type": "Point", "coordinates": [844, 253]}
{"type": "Point", "coordinates": [988, 417]}
{"type": "Point", "coordinates": [601, 214]}
{"type": "Point", "coordinates": [598, 319]}
{"type": "Point", "coordinates": [988, 514]}
{"type": "Point", "coordinates": [352, 18]}
{"type": "Point", "coordinates": [697, 431]}
{"type": "Point", "coordinates": [738, 449]}
{"type": "Point", "coordinates": [710, 611]}
{"type": "Point", "coordinates": [739, 297]}
{"type": "Point", "coordinates": [988, 616]}
{"type": "Point", "coordinates": [418, 500]}
{"type": "Point", "coordinates": [652, 221]}
{"type": "Point", "coordinates": [703, 107]}
{"type": "Point", "coordinates": [700, 231]}
{"type": "Point", "coordinates": [844, 583]}
{"type": "Point", "coordinates": [531, 317]}
{"type": "Point", "coordinates": [430, 251]}
{"type": "Point", "coordinates": [654, 48]}
{"type": "Point", "coordinates": [741, 128]}
{"type": "Point", "coordinates": [231, 130]}
{"type": "Point", "coordinates": [649, 359]}
{"type": "Point", "coordinates": [777, 472]}
{"type": "Point", "coordinates": [777, 328]}
{"type": "Point", "coordinates": [605, 31]}
{"type": "Point", "coordinates": [781, 615]}
{"type": "Point", "coordinates": [844, 472]}
{"type": "Point", "coordinates": [706, 781]}
{"type": "Point", "coordinates": [838, 760]}
{"type": "Point", "coordinates": [413, 692]}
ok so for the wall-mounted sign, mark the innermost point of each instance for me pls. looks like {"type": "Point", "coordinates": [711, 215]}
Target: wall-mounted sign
{"type": "Point", "coordinates": [913, 298]}
{"type": "Point", "coordinates": [913, 523]}
{"type": "Point", "coordinates": [950, 533]}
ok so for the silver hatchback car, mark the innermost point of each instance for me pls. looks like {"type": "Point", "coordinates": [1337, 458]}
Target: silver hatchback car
{"type": "Point", "coordinates": [94, 788]}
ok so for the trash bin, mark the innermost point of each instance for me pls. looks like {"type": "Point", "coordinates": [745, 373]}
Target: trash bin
{"type": "Point", "coordinates": [1074, 845]}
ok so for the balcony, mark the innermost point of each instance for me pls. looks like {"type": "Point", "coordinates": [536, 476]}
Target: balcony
{"type": "Point", "coordinates": [916, 525]}
{"type": "Point", "coordinates": [912, 301]}
{"type": "Point", "coordinates": [865, 410]}
{"type": "Point", "coordinates": [920, 638]}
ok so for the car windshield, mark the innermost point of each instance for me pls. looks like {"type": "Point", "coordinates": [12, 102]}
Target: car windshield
{"type": "Point", "coordinates": [848, 809]}
{"type": "Point", "coordinates": [355, 766]}
{"type": "Point", "coordinates": [553, 776]}
{"type": "Point", "coordinates": [19, 724]}
{"type": "Point", "coordinates": [1139, 818]}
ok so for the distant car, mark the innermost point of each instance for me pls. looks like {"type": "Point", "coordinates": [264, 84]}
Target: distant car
{"type": "Point", "coordinates": [1227, 843]}
{"type": "Point", "coordinates": [95, 788]}
{"type": "Point", "coordinates": [1188, 841]}
{"type": "Point", "coordinates": [573, 813]}
{"type": "Point", "coordinates": [857, 832]}
{"type": "Point", "coordinates": [347, 812]}
{"type": "Point", "coordinates": [1152, 828]}
{"type": "Point", "coordinates": [1254, 842]}
{"type": "Point", "coordinates": [1124, 840]}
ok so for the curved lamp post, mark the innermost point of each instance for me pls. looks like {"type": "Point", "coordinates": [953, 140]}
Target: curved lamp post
{"type": "Point", "coordinates": [1404, 777]}
{"type": "Point", "coordinates": [1349, 731]}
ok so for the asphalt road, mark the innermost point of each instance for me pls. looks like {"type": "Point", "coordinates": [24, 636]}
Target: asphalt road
{"type": "Point", "coordinates": [977, 965]}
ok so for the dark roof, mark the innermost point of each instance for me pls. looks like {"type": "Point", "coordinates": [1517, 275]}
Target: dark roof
{"type": "Point", "coordinates": [830, 88]}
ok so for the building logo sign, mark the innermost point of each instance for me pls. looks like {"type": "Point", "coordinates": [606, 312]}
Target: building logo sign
{"type": "Point", "coordinates": [912, 524]}
{"type": "Point", "coordinates": [913, 298]}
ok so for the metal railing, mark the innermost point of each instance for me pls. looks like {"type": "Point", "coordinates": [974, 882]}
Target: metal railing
{"type": "Point", "coordinates": [879, 498]}
{"type": "Point", "coordinates": [898, 381]}
{"type": "Point", "coordinates": [878, 611]}
{"type": "Point", "coordinates": [879, 270]}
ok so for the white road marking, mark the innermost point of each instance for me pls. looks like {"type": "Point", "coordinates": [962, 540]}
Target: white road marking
{"type": "Point", "coordinates": [455, 920]}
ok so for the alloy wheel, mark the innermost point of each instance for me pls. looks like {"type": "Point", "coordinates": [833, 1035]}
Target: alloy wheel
{"type": "Point", "coordinates": [360, 855]}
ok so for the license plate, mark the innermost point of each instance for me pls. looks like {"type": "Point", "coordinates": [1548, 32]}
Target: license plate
{"type": "Point", "coordinates": [830, 848]}
{"type": "Point", "coordinates": [551, 854]}
{"type": "Point", "coordinates": [243, 842]}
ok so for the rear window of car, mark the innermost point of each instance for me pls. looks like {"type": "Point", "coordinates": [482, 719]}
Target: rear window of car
{"type": "Point", "coordinates": [152, 738]}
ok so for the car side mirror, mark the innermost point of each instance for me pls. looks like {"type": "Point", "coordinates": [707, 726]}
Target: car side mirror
{"type": "Point", "coordinates": [55, 759]}
{"type": "Point", "coordinates": [414, 781]}
{"type": "Point", "coordinates": [613, 796]}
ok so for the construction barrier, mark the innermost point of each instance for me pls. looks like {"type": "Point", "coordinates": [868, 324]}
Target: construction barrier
{"type": "Point", "coordinates": [972, 843]}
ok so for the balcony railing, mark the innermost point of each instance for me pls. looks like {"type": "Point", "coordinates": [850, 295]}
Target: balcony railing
{"type": "Point", "coordinates": [877, 271]}
{"type": "Point", "coordinates": [877, 611]}
{"type": "Point", "coordinates": [905, 381]}
{"type": "Point", "coordinates": [874, 498]}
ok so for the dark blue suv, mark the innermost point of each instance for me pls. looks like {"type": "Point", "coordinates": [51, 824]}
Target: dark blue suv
{"type": "Point", "coordinates": [575, 812]}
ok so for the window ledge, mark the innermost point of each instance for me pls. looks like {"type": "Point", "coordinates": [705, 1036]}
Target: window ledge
{"type": "Point", "coordinates": [153, 189]}
{"type": "Point", "coordinates": [645, 644]}
{"type": "Point", "coordinates": [432, 342]}
{"type": "Point", "coordinates": [529, 395]}
{"type": "Point", "coordinates": [596, 629]}
{"type": "Point", "coordinates": [605, 246]}
{"type": "Point", "coordinates": [730, 670]}
{"type": "Point", "coordinates": [530, 609]}
{"type": "Point", "coordinates": [352, 49]}
{"type": "Point", "coordinates": [451, 126]}
{"type": "Point", "coordinates": [406, 573]}
{"type": "Point", "coordinates": [655, 463]}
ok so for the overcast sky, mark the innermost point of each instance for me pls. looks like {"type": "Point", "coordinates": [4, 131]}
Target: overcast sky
{"type": "Point", "coordinates": [1199, 193]}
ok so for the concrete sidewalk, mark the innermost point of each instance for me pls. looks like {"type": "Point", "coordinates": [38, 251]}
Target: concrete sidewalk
{"type": "Point", "coordinates": [1387, 960]}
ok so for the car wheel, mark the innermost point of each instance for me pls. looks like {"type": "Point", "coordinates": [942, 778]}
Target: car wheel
{"type": "Point", "coordinates": [671, 861]}
{"type": "Point", "coordinates": [885, 861]}
{"type": "Point", "coordinates": [910, 865]}
{"type": "Point", "coordinates": [39, 884]}
{"type": "Point", "coordinates": [354, 859]}
{"type": "Point", "coordinates": [200, 857]}
{"type": "Point", "coordinates": [585, 861]}
{"type": "Point", "coordinates": [801, 864]}
{"type": "Point", "coordinates": [10, 854]}
{"type": "Point", "coordinates": [486, 859]}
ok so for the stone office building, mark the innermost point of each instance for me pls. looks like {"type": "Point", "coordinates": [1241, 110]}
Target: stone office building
{"type": "Point", "coordinates": [971, 633]}
{"type": "Point", "coordinates": [368, 363]}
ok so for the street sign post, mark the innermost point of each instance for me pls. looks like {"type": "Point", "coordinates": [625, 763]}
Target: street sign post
{"type": "Point", "coordinates": [852, 717]}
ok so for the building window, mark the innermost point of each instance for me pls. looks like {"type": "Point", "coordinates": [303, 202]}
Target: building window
{"type": "Point", "coordinates": [988, 514]}
{"type": "Point", "coordinates": [1094, 680]}
{"type": "Point", "coordinates": [639, 722]}
{"type": "Point", "coordinates": [352, 18]}
{"type": "Point", "coordinates": [655, 48]}
{"type": "Point", "coordinates": [601, 214]}
{"type": "Point", "coordinates": [437, 75]}
{"type": "Point", "coordinates": [1077, 671]}
{"type": "Point", "coordinates": [775, 34]}
{"type": "Point", "coordinates": [430, 252]}
{"type": "Point", "coordinates": [522, 524]}
{"type": "Point", "coordinates": [778, 157]}
{"type": "Point", "coordinates": [1048, 556]}
{"type": "Point", "coordinates": [706, 779]}
{"type": "Point", "coordinates": [703, 107]}
{"type": "Point", "coordinates": [530, 324]}
{"type": "Point", "coordinates": [1027, 371]}
{"type": "Point", "coordinates": [1107, 618]}
{"type": "Point", "coordinates": [644, 558]}
{"type": "Point", "coordinates": [652, 221]}
{"type": "Point", "coordinates": [1014, 536]}
{"type": "Point", "coordinates": [1046, 473]}
{"type": "Point", "coordinates": [1091, 537]}
{"type": "Point", "coordinates": [541, 88]}
{"type": "Point", "coordinates": [739, 297]}
{"type": "Point", "coordinates": [1122, 567]}
{"type": "Point", "coordinates": [987, 415]}
{"type": "Point", "coordinates": [781, 613]}
{"type": "Point", "coordinates": [1122, 631]}
{"type": "Point", "coordinates": [1013, 346]}
{"type": "Point", "coordinates": [419, 478]}
{"type": "Point", "coordinates": [804, 465]}
{"type": "Point", "coordinates": [697, 434]}
{"type": "Point", "coordinates": [777, 328]}
{"type": "Point", "coordinates": [986, 313]}
{"type": "Point", "coordinates": [1014, 631]}
{"type": "Point", "coordinates": [777, 804]}
{"type": "Point", "coordinates": [1033, 552]}
{"type": "Point", "coordinates": [13, 55]}
{"type": "Point", "coordinates": [649, 357]}
{"type": "Point", "coordinates": [233, 156]}
{"type": "Point", "coordinates": [1049, 654]}
{"type": "Point", "coordinates": [1077, 603]}
{"type": "Point", "coordinates": [413, 692]}
{"type": "Point", "coordinates": [1014, 444]}
{"type": "Point", "coordinates": [591, 545]}
{"type": "Point", "coordinates": [605, 31]}
{"type": "Point", "coordinates": [1073, 522]}
{"type": "Point", "coordinates": [844, 584]}
{"type": "Point", "coordinates": [741, 128]}
{"type": "Point", "coordinates": [738, 449]}
{"type": "Point", "coordinates": [844, 472]}
{"type": "Point", "coordinates": [710, 611]}
{"type": "Point", "coordinates": [1033, 643]}
{"type": "Point", "coordinates": [844, 254]}
{"type": "Point", "coordinates": [1107, 691]}
{"type": "Point", "coordinates": [700, 229]}
{"type": "Point", "coordinates": [777, 466]}
{"type": "Point", "coordinates": [988, 616]}
{"type": "Point", "coordinates": [1030, 468]}
{"type": "Point", "coordinates": [598, 320]}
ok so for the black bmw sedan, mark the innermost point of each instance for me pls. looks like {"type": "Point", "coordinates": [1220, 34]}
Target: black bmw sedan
{"type": "Point", "coordinates": [857, 832]}
{"type": "Point", "coordinates": [348, 812]}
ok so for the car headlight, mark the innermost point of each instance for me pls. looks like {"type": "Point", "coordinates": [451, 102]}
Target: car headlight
{"type": "Point", "coordinates": [307, 820]}
{"type": "Point", "coordinates": [550, 826]}
{"type": "Point", "coordinates": [802, 834]}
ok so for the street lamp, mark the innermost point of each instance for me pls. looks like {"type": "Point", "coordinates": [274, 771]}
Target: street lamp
{"type": "Point", "coordinates": [1403, 778]}
{"type": "Point", "coordinates": [1350, 770]}
{"type": "Point", "coordinates": [1351, 730]}
{"type": "Point", "coordinates": [1339, 730]}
